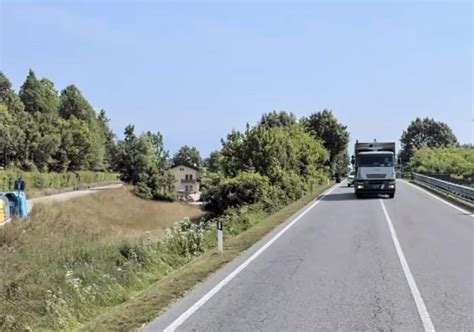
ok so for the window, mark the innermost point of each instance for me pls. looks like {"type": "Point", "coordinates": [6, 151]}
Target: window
{"type": "Point", "coordinates": [186, 177]}
{"type": "Point", "coordinates": [190, 176]}
{"type": "Point", "coordinates": [374, 160]}
{"type": "Point", "coordinates": [190, 188]}
{"type": "Point", "coordinates": [181, 169]}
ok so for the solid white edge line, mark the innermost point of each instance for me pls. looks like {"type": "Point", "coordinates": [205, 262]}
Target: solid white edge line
{"type": "Point", "coordinates": [439, 199]}
{"type": "Point", "coordinates": [185, 315]}
{"type": "Point", "coordinates": [420, 304]}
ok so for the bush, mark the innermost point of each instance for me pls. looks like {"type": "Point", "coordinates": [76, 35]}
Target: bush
{"type": "Point", "coordinates": [457, 162]}
{"type": "Point", "coordinates": [52, 180]}
{"type": "Point", "coordinates": [245, 188]}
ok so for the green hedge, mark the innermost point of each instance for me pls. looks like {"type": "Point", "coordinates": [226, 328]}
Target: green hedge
{"type": "Point", "coordinates": [38, 180]}
{"type": "Point", "coordinates": [457, 162]}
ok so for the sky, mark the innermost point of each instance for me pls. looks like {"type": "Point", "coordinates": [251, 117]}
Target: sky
{"type": "Point", "coordinates": [196, 70]}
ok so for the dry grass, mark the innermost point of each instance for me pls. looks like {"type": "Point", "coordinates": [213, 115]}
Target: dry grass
{"type": "Point", "coordinates": [118, 214]}
{"type": "Point", "coordinates": [69, 260]}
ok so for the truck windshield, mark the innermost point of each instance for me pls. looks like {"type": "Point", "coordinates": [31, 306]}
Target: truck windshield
{"type": "Point", "coordinates": [374, 160]}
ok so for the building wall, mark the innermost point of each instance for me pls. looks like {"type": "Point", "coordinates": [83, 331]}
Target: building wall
{"type": "Point", "coordinates": [186, 179]}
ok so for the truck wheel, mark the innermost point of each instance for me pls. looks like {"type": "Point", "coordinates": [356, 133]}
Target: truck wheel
{"type": "Point", "coordinates": [391, 195]}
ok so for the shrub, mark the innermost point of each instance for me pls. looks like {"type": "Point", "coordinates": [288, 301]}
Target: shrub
{"type": "Point", "coordinates": [52, 180]}
{"type": "Point", "coordinates": [245, 188]}
{"type": "Point", "coordinates": [457, 162]}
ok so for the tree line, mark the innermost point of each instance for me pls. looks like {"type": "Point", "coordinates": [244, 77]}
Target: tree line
{"type": "Point", "coordinates": [42, 129]}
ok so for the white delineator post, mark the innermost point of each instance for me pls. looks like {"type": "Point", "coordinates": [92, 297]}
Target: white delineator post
{"type": "Point", "coordinates": [220, 237]}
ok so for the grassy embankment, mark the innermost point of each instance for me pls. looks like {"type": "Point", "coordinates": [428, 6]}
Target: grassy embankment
{"type": "Point", "coordinates": [42, 184]}
{"type": "Point", "coordinates": [67, 261]}
{"type": "Point", "coordinates": [105, 261]}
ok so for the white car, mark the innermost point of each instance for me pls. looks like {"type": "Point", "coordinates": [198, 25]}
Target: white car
{"type": "Point", "coordinates": [350, 178]}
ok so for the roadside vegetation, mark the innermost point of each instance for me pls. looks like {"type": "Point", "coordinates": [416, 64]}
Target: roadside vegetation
{"type": "Point", "coordinates": [68, 261]}
{"type": "Point", "coordinates": [450, 163]}
{"type": "Point", "coordinates": [430, 147]}
{"type": "Point", "coordinates": [44, 183]}
{"type": "Point", "coordinates": [425, 133]}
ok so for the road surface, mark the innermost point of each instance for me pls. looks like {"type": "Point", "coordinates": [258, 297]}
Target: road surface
{"type": "Point", "coordinates": [345, 264]}
{"type": "Point", "coordinates": [69, 195]}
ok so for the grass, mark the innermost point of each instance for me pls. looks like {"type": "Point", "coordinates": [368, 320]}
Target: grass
{"type": "Point", "coordinates": [449, 197]}
{"type": "Point", "coordinates": [148, 304]}
{"type": "Point", "coordinates": [66, 262]}
{"type": "Point", "coordinates": [118, 214]}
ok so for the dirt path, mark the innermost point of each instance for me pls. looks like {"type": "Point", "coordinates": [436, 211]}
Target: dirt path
{"type": "Point", "coordinates": [69, 195]}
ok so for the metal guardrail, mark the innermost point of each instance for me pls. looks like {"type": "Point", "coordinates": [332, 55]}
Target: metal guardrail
{"type": "Point", "coordinates": [455, 189]}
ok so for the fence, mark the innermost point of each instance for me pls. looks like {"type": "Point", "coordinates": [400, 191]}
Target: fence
{"type": "Point", "coordinates": [453, 188]}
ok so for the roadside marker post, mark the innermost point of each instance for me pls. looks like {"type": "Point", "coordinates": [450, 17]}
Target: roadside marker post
{"type": "Point", "coordinates": [220, 237]}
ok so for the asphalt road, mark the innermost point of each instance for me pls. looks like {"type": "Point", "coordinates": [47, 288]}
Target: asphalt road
{"type": "Point", "coordinates": [338, 268]}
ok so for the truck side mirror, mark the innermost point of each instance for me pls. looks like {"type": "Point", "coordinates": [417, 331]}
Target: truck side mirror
{"type": "Point", "coordinates": [352, 160]}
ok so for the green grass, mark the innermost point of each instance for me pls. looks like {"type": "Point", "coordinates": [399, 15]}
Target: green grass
{"type": "Point", "coordinates": [147, 304]}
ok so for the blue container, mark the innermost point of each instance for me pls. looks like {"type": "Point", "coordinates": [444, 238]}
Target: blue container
{"type": "Point", "coordinates": [17, 202]}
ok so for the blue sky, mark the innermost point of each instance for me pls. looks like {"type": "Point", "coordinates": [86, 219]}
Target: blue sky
{"type": "Point", "coordinates": [195, 70]}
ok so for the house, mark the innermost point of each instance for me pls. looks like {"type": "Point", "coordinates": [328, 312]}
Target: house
{"type": "Point", "coordinates": [186, 179]}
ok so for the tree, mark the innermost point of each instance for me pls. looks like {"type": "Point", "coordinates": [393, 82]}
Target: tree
{"type": "Point", "coordinates": [74, 103]}
{"type": "Point", "coordinates": [334, 135]}
{"type": "Point", "coordinates": [11, 112]}
{"type": "Point", "coordinates": [213, 162]}
{"type": "Point", "coordinates": [162, 155]}
{"type": "Point", "coordinates": [39, 95]}
{"type": "Point", "coordinates": [425, 133]}
{"type": "Point", "coordinates": [75, 146]}
{"type": "Point", "coordinates": [270, 165]}
{"type": "Point", "coordinates": [278, 119]}
{"type": "Point", "coordinates": [8, 97]}
{"type": "Point", "coordinates": [188, 156]}
{"type": "Point", "coordinates": [275, 153]}
{"type": "Point", "coordinates": [107, 138]}
{"type": "Point", "coordinates": [40, 130]}
{"type": "Point", "coordinates": [137, 160]}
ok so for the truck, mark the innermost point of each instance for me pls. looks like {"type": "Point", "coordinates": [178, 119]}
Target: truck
{"type": "Point", "coordinates": [374, 165]}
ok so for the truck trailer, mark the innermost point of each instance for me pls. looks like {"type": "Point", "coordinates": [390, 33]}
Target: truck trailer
{"type": "Point", "coordinates": [374, 165]}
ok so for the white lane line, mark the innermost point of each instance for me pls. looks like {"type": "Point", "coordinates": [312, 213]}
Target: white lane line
{"type": "Point", "coordinates": [440, 199]}
{"type": "Point", "coordinates": [420, 304]}
{"type": "Point", "coordinates": [195, 307]}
